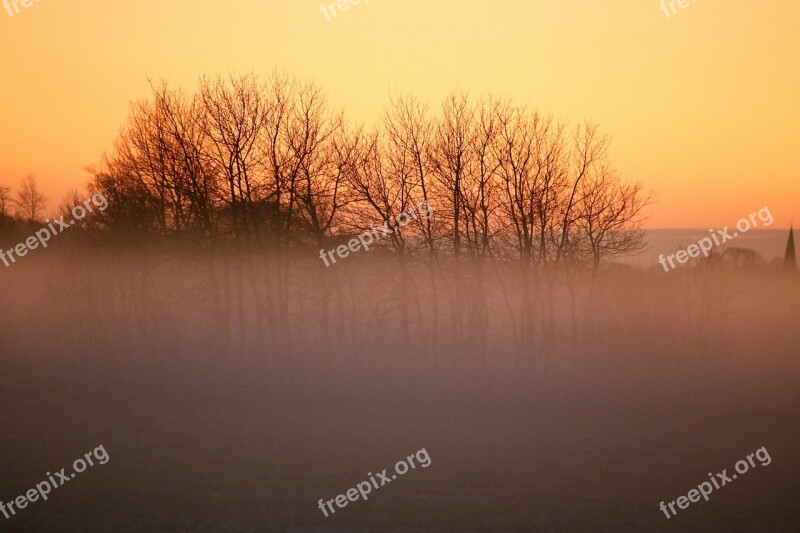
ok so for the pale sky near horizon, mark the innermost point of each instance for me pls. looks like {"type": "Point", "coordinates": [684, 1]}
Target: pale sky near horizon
{"type": "Point", "coordinates": [702, 107]}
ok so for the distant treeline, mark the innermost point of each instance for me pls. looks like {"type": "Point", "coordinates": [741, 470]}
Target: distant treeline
{"type": "Point", "coordinates": [269, 162]}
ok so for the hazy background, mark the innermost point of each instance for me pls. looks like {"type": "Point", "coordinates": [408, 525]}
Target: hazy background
{"type": "Point", "coordinates": [579, 409]}
{"type": "Point", "coordinates": [769, 245]}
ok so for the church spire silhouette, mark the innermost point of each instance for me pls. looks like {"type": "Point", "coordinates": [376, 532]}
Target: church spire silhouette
{"type": "Point", "coordinates": [790, 259]}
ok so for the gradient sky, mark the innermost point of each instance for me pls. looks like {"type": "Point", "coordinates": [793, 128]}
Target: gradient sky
{"type": "Point", "coordinates": [703, 107]}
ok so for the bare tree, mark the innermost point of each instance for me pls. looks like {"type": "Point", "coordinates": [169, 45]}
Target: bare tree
{"type": "Point", "coordinates": [5, 202]}
{"type": "Point", "coordinates": [162, 148]}
{"type": "Point", "coordinates": [188, 174]}
{"type": "Point", "coordinates": [233, 117]}
{"type": "Point", "coordinates": [29, 201]}
{"type": "Point", "coordinates": [70, 200]}
{"type": "Point", "coordinates": [409, 132]}
{"type": "Point", "coordinates": [324, 154]}
{"type": "Point", "coordinates": [278, 92]}
{"type": "Point", "coordinates": [589, 149]}
{"type": "Point", "coordinates": [142, 153]}
{"type": "Point", "coordinates": [132, 208]}
{"type": "Point", "coordinates": [610, 218]}
{"type": "Point", "coordinates": [481, 186]}
{"type": "Point", "coordinates": [520, 143]}
{"type": "Point", "coordinates": [451, 160]}
{"type": "Point", "coordinates": [383, 189]}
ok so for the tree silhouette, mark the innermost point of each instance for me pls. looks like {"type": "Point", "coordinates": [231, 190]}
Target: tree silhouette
{"type": "Point", "coordinates": [29, 201]}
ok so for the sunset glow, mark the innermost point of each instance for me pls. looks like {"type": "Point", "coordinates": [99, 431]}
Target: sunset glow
{"type": "Point", "coordinates": [701, 107]}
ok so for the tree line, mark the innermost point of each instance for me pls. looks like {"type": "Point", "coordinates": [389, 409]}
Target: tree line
{"type": "Point", "coordinates": [271, 162]}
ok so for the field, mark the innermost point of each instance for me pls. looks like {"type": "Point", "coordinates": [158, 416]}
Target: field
{"type": "Point", "coordinates": [234, 391]}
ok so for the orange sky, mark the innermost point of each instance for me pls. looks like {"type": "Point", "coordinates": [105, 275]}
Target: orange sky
{"type": "Point", "coordinates": [703, 107]}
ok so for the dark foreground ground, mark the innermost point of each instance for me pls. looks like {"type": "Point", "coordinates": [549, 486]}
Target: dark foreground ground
{"type": "Point", "coordinates": [189, 454]}
{"type": "Point", "coordinates": [560, 441]}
